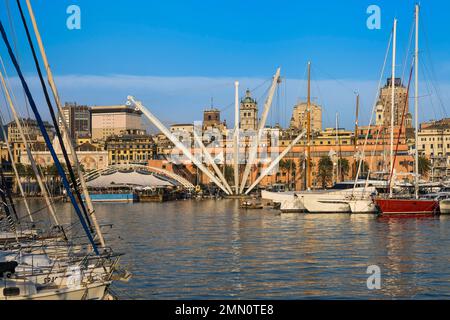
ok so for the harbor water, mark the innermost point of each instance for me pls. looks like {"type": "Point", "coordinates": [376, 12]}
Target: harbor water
{"type": "Point", "coordinates": [215, 250]}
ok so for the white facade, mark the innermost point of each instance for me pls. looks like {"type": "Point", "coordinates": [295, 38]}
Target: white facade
{"type": "Point", "coordinates": [113, 120]}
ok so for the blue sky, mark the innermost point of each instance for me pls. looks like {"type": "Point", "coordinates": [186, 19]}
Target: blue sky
{"type": "Point", "coordinates": [176, 55]}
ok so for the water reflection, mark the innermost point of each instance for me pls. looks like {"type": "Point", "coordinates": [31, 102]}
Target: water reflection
{"type": "Point", "coordinates": [214, 250]}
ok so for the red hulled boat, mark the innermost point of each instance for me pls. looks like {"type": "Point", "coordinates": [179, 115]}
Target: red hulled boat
{"type": "Point", "coordinates": [407, 206]}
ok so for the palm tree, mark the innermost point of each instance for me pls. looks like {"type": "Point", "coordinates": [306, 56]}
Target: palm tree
{"type": "Point", "coordinates": [21, 169]}
{"type": "Point", "coordinates": [344, 167]}
{"type": "Point", "coordinates": [229, 174]}
{"type": "Point", "coordinates": [29, 175]}
{"type": "Point", "coordinates": [364, 173]}
{"type": "Point", "coordinates": [52, 175]}
{"type": "Point", "coordinates": [289, 166]}
{"type": "Point", "coordinates": [365, 169]}
{"type": "Point", "coordinates": [405, 164]}
{"type": "Point", "coordinates": [424, 166]}
{"type": "Point", "coordinates": [325, 171]}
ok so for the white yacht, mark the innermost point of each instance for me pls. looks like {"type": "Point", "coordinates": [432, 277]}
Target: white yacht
{"type": "Point", "coordinates": [288, 201]}
{"type": "Point", "coordinates": [339, 199]}
{"type": "Point", "coordinates": [445, 206]}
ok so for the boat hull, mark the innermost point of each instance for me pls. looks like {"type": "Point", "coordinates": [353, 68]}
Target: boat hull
{"type": "Point", "coordinates": [292, 206]}
{"type": "Point", "coordinates": [90, 292]}
{"type": "Point", "coordinates": [333, 201]}
{"type": "Point", "coordinates": [321, 205]}
{"type": "Point", "coordinates": [115, 198]}
{"type": "Point", "coordinates": [277, 197]}
{"type": "Point", "coordinates": [445, 207]}
{"type": "Point", "coordinates": [363, 206]}
{"type": "Point", "coordinates": [407, 207]}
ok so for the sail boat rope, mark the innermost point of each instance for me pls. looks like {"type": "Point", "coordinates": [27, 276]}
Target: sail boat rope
{"type": "Point", "coordinates": [401, 124]}
{"type": "Point", "coordinates": [55, 122]}
{"type": "Point", "coordinates": [47, 139]}
{"type": "Point", "coordinates": [26, 133]}
{"type": "Point", "coordinates": [373, 111]}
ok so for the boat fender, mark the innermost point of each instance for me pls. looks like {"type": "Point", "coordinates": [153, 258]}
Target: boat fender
{"type": "Point", "coordinates": [8, 268]}
{"type": "Point", "coordinates": [11, 292]}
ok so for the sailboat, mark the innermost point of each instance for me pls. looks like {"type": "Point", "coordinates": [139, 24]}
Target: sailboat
{"type": "Point", "coordinates": [50, 266]}
{"type": "Point", "coordinates": [366, 204]}
{"type": "Point", "coordinates": [334, 200]}
{"type": "Point", "coordinates": [412, 205]}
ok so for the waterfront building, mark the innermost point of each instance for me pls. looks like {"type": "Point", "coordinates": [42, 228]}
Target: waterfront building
{"type": "Point", "coordinates": [332, 136]}
{"type": "Point", "coordinates": [434, 144]}
{"type": "Point", "coordinates": [401, 104]}
{"type": "Point", "coordinates": [78, 120]}
{"type": "Point", "coordinates": [83, 140]}
{"type": "Point", "coordinates": [299, 119]}
{"type": "Point", "coordinates": [91, 157]}
{"type": "Point", "coordinates": [249, 113]}
{"type": "Point", "coordinates": [211, 119]}
{"type": "Point", "coordinates": [32, 133]}
{"type": "Point", "coordinates": [4, 154]}
{"type": "Point", "coordinates": [31, 130]}
{"type": "Point", "coordinates": [187, 129]}
{"type": "Point", "coordinates": [131, 147]}
{"type": "Point", "coordinates": [163, 145]}
{"type": "Point", "coordinates": [112, 120]}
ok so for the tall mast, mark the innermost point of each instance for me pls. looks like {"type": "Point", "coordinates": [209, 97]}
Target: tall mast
{"type": "Point", "coordinates": [262, 124]}
{"type": "Point", "coordinates": [394, 52]}
{"type": "Point", "coordinates": [33, 163]}
{"type": "Point", "coordinates": [308, 133]}
{"type": "Point", "coordinates": [338, 155]}
{"type": "Point", "coordinates": [416, 103]}
{"type": "Point", "coordinates": [64, 128]}
{"type": "Point", "coordinates": [236, 138]}
{"type": "Point", "coordinates": [356, 136]}
{"type": "Point", "coordinates": [180, 146]}
{"type": "Point", "coordinates": [14, 167]}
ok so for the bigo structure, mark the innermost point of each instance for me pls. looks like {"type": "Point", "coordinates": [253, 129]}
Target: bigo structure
{"type": "Point", "coordinates": [252, 141]}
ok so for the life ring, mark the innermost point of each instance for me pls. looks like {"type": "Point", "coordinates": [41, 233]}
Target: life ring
{"type": "Point", "coordinates": [198, 189]}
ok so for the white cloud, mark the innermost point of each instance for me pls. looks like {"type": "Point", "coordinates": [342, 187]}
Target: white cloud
{"type": "Point", "coordinates": [182, 99]}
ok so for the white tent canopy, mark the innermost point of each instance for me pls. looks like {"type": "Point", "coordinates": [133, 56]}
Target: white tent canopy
{"type": "Point", "coordinates": [129, 179]}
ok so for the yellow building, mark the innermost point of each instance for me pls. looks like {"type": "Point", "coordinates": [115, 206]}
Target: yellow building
{"type": "Point", "coordinates": [4, 154]}
{"type": "Point", "coordinates": [434, 143]}
{"type": "Point", "coordinates": [249, 113]}
{"type": "Point", "coordinates": [32, 133]}
{"type": "Point", "coordinates": [83, 140]}
{"type": "Point", "coordinates": [112, 120]}
{"type": "Point", "coordinates": [130, 148]}
{"type": "Point", "coordinates": [401, 107]}
{"type": "Point", "coordinates": [299, 119]}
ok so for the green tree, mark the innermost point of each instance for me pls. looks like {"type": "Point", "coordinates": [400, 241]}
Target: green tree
{"type": "Point", "coordinates": [405, 164]}
{"type": "Point", "coordinates": [52, 172]}
{"type": "Point", "coordinates": [290, 167]}
{"type": "Point", "coordinates": [365, 169]}
{"type": "Point", "coordinates": [29, 173]}
{"type": "Point", "coordinates": [424, 166]}
{"type": "Point", "coordinates": [21, 169]}
{"type": "Point", "coordinates": [229, 174]}
{"type": "Point", "coordinates": [344, 168]}
{"type": "Point", "coordinates": [325, 171]}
